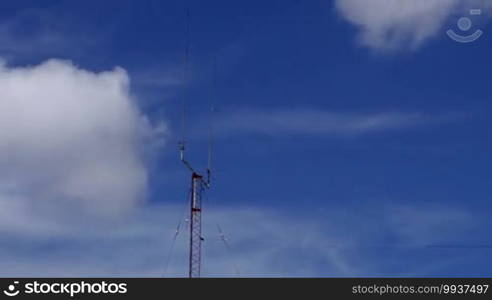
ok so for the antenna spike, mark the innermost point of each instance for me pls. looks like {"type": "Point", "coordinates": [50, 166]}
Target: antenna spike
{"type": "Point", "coordinates": [182, 142]}
{"type": "Point", "coordinates": [186, 75]}
{"type": "Point", "coordinates": [211, 122]}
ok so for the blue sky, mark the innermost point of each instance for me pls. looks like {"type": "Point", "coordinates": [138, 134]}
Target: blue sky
{"type": "Point", "coordinates": [352, 137]}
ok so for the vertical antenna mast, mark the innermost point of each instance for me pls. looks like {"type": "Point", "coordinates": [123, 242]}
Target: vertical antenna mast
{"type": "Point", "coordinates": [197, 182]}
{"type": "Point", "coordinates": [182, 142]}
{"type": "Point", "coordinates": [211, 123]}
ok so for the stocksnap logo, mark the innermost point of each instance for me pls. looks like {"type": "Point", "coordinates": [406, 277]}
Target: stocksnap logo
{"type": "Point", "coordinates": [11, 290]}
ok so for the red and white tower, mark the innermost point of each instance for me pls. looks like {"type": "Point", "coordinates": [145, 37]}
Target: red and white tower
{"type": "Point", "coordinates": [198, 184]}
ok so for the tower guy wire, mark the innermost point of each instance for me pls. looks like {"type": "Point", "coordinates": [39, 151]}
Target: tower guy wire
{"type": "Point", "coordinates": [171, 249]}
{"type": "Point", "coordinates": [225, 241]}
{"type": "Point", "coordinates": [177, 232]}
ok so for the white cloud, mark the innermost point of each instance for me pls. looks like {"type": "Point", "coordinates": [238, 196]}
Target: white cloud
{"type": "Point", "coordinates": [70, 140]}
{"type": "Point", "coordinates": [394, 24]}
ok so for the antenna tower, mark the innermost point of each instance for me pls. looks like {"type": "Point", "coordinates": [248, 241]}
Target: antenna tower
{"type": "Point", "coordinates": [198, 182]}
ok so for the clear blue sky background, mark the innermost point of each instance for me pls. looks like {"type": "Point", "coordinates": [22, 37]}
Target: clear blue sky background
{"type": "Point", "coordinates": [433, 175]}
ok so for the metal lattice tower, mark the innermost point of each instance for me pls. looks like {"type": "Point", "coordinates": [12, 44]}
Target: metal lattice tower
{"type": "Point", "coordinates": [198, 184]}
{"type": "Point", "coordinates": [196, 238]}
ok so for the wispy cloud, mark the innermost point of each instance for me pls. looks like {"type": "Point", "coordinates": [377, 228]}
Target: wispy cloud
{"type": "Point", "coordinates": [263, 242]}
{"type": "Point", "coordinates": [428, 223]}
{"type": "Point", "coordinates": [42, 33]}
{"type": "Point", "coordinates": [282, 122]}
{"type": "Point", "coordinates": [164, 77]}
